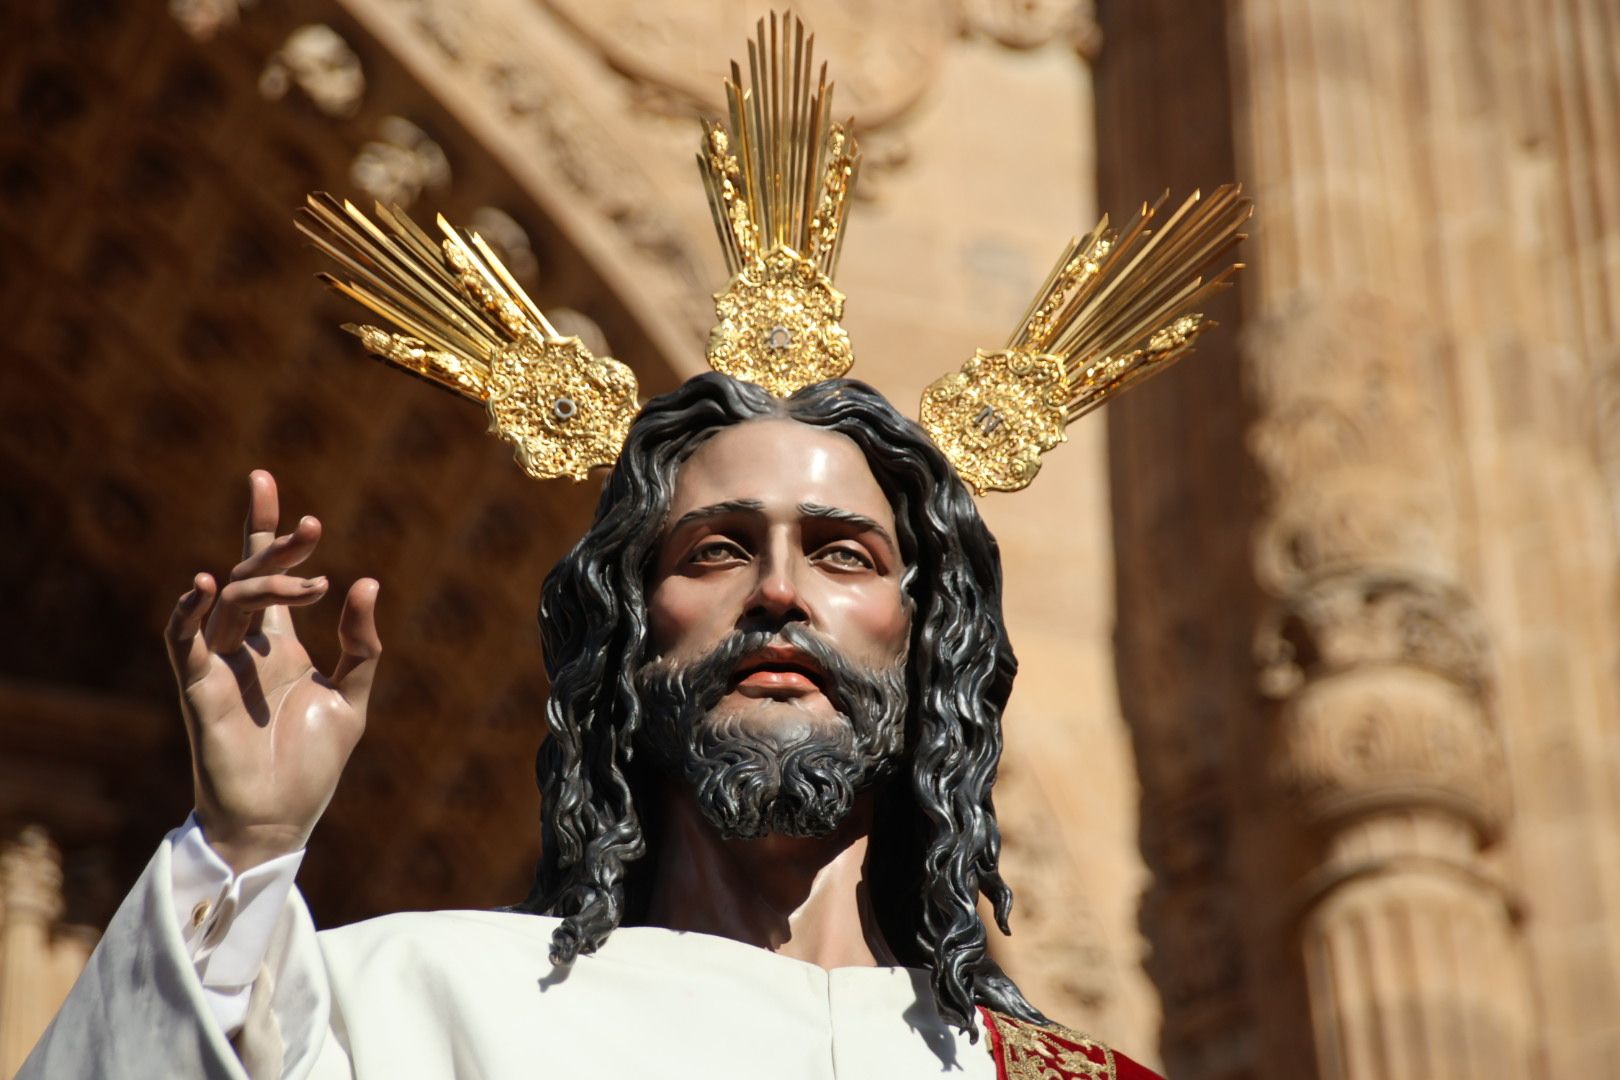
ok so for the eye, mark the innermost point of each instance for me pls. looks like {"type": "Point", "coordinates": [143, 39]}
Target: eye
{"type": "Point", "coordinates": [716, 553]}
{"type": "Point", "coordinates": [846, 557]}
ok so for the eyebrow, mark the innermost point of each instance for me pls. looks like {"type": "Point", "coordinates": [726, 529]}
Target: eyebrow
{"type": "Point", "coordinates": [714, 510]}
{"type": "Point", "coordinates": [848, 517]}
{"type": "Point", "coordinates": [808, 509]}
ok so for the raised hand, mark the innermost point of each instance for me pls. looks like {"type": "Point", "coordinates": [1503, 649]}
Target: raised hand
{"type": "Point", "coordinates": [269, 734]}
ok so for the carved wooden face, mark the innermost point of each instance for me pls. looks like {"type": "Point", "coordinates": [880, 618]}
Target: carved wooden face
{"type": "Point", "coordinates": [774, 522]}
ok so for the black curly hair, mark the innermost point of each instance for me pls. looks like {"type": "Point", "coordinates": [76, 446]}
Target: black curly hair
{"type": "Point", "coordinates": [936, 845]}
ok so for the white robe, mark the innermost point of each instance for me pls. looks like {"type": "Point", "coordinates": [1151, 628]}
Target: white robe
{"type": "Point", "coordinates": [472, 995]}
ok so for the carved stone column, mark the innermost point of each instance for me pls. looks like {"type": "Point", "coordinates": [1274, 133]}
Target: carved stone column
{"type": "Point", "coordinates": [1331, 830]}
{"type": "Point", "coordinates": [1385, 750]}
{"type": "Point", "coordinates": [38, 959]}
{"type": "Point", "coordinates": [1382, 748]}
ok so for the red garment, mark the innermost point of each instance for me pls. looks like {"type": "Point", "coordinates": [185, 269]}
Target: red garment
{"type": "Point", "coordinates": [1025, 1051]}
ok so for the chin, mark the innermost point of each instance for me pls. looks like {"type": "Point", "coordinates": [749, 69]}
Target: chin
{"type": "Point", "coordinates": [783, 721]}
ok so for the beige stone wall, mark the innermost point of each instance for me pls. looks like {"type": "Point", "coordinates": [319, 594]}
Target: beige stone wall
{"type": "Point", "coordinates": [1412, 782]}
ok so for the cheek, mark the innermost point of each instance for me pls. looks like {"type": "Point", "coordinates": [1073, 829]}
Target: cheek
{"type": "Point", "coordinates": [879, 614]}
{"type": "Point", "coordinates": [680, 618]}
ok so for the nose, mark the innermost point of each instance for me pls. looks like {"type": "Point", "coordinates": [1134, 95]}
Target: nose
{"type": "Point", "coordinates": [777, 598]}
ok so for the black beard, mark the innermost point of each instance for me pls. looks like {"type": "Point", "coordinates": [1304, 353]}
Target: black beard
{"type": "Point", "coordinates": [800, 780]}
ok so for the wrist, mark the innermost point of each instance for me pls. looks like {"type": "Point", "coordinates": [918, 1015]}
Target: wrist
{"type": "Point", "coordinates": [242, 847]}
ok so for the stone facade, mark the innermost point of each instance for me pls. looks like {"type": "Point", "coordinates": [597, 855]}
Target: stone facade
{"type": "Point", "coordinates": [1402, 784]}
{"type": "Point", "coordinates": [1312, 760]}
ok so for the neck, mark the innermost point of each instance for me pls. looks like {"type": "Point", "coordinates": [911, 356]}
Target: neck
{"type": "Point", "coordinates": [803, 897]}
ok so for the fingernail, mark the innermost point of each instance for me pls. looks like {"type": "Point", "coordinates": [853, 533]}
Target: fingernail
{"type": "Point", "coordinates": [314, 583]}
{"type": "Point", "coordinates": [190, 599]}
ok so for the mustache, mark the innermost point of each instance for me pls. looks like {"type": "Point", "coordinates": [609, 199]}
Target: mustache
{"type": "Point", "coordinates": [703, 682]}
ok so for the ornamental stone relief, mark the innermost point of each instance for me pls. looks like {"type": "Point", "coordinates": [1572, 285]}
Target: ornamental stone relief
{"type": "Point", "coordinates": [402, 162]}
{"type": "Point", "coordinates": [1029, 24]}
{"type": "Point", "coordinates": [202, 19]}
{"type": "Point", "coordinates": [1347, 439]}
{"type": "Point", "coordinates": [1371, 617]}
{"type": "Point", "coordinates": [1354, 517]}
{"type": "Point", "coordinates": [1391, 737]}
{"type": "Point", "coordinates": [555, 122]}
{"type": "Point", "coordinates": [885, 54]}
{"type": "Point", "coordinates": [319, 62]}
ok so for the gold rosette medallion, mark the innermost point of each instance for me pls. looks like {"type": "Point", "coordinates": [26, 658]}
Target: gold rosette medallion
{"type": "Point", "coordinates": [997, 416]}
{"type": "Point", "coordinates": [779, 325]}
{"type": "Point", "coordinates": [563, 410]}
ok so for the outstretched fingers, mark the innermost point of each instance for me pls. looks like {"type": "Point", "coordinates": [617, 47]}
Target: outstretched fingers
{"type": "Point", "coordinates": [361, 645]}
{"type": "Point", "coordinates": [264, 511]}
{"type": "Point", "coordinates": [240, 601]}
{"type": "Point", "coordinates": [282, 552]}
{"type": "Point", "coordinates": [263, 552]}
{"type": "Point", "coordinates": [188, 652]}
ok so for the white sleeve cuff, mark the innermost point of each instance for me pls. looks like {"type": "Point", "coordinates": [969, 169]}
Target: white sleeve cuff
{"type": "Point", "coordinates": [226, 920]}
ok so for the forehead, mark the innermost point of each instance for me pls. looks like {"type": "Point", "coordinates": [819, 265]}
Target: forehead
{"type": "Point", "coordinates": [781, 463]}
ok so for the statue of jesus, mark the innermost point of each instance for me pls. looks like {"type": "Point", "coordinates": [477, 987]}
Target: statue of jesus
{"type": "Point", "coordinates": [778, 668]}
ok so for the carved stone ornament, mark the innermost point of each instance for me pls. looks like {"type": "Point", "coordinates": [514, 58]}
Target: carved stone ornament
{"type": "Point", "coordinates": [202, 19]}
{"type": "Point", "coordinates": [571, 141]}
{"type": "Point", "coordinates": [1371, 617]}
{"type": "Point", "coordinates": [1377, 738]}
{"type": "Point", "coordinates": [30, 878]}
{"type": "Point", "coordinates": [317, 60]}
{"type": "Point", "coordinates": [1348, 442]}
{"type": "Point", "coordinates": [399, 164]}
{"type": "Point", "coordinates": [886, 54]}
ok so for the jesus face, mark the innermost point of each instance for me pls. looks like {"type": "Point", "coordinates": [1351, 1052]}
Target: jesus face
{"type": "Point", "coordinates": [779, 628]}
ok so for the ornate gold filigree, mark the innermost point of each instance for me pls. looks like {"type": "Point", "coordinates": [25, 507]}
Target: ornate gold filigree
{"type": "Point", "coordinates": [778, 182]}
{"type": "Point", "coordinates": [414, 355]}
{"type": "Point", "coordinates": [466, 325]}
{"type": "Point", "coordinates": [779, 172]}
{"type": "Point", "coordinates": [1031, 1052]}
{"type": "Point", "coordinates": [779, 325]}
{"type": "Point", "coordinates": [997, 416]}
{"type": "Point", "coordinates": [1113, 311]}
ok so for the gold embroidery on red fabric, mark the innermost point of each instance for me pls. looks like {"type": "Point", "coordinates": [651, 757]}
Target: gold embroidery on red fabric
{"type": "Point", "coordinates": [1031, 1052]}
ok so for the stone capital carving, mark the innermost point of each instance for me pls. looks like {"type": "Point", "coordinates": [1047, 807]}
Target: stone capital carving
{"type": "Point", "coordinates": [1380, 738]}
{"type": "Point", "coordinates": [1371, 618]}
{"type": "Point", "coordinates": [1383, 673]}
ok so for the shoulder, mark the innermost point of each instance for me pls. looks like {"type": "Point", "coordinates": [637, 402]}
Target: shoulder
{"type": "Point", "coordinates": [449, 928]}
{"type": "Point", "coordinates": [1024, 1050]}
